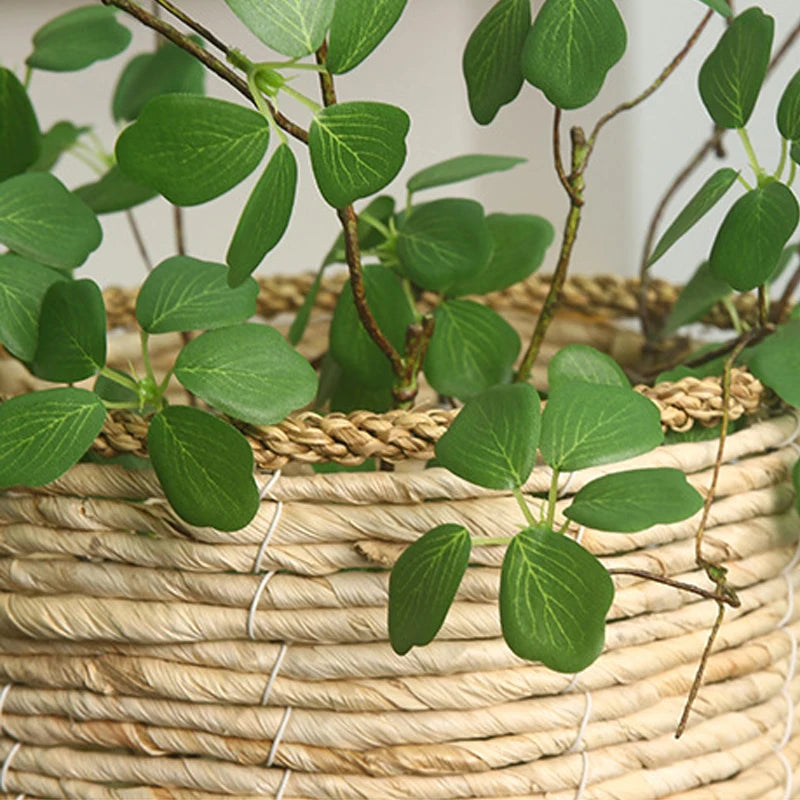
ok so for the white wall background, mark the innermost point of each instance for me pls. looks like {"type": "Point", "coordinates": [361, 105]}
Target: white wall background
{"type": "Point", "coordinates": [419, 69]}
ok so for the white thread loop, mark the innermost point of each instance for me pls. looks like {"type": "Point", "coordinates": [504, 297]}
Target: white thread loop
{"type": "Point", "coordinates": [274, 674]}
{"type": "Point", "coordinates": [3, 694]}
{"type": "Point", "coordinates": [276, 742]}
{"type": "Point", "coordinates": [282, 784]}
{"type": "Point", "coordinates": [584, 776]}
{"type": "Point", "coordinates": [579, 534]}
{"type": "Point", "coordinates": [587, 712]}
{"type": "Point", "coordinates": [563, 490]}
{"type": "Point", "coordinates": [251, 614]}
{"type": "Point", "coordinates": [270, 530]}
{"type": "Point", "coordinates": [6, 764]}
{"type": "Point", "coordinates": [791, 440]}
{"type": "Point", "coordinates": [269, 484]}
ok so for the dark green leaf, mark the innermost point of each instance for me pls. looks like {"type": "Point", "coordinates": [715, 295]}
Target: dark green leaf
{"type": "Point", "coordinates": [265, 217]}
{"type": "Point", "coordinates": [45, 433]}
{"type": "Point", "coordinates": [696, 299]}
{"type": "Point", "coordinates": [795, 152]}
{"type": "Point", "coordinates": [776, 362]}
{"type": "Point", "coordinates": [720, 6]}
{"type": "Point", "coordinates": [77, 38]}
{"type": "Point", "coordinates": [248, 371]}
{"type": "Point", "coordinates": [72, 332]}
{"type": "Point", "coordinates": [554, 597]}
{"type": "Point", "coordinates": [788, 116]}
{"type": "Point", "coordinates": [41, 220]}
{"type": "Point", "coordinates": [350, 343]}
{"type": "Point", "coordinates": [703, 433]}
{"type": "Point", "coordinates": [192, 149]}
{"type": "Point", "coordinates": [752, 235]}
{"type": "Point", "coordinates": [114, 392]}
{"type": "Point", "coordinates": [381, 210]}
{"type": "Point", "coordinates": [292, 27]}
{"type": "Point", "coordinates": [492, 57]}
{"type": "Point", "coordinates": [423, 584]}
{"type": "Point", "coordinates": [444, 242]}
{"type": "Point", "coordinates": [185, 294]}
{"type": "Point", "coordinates": [472, 348]}
{"type": "Point", "coordinates": [571, 47]}
{"type": "Point", "coordinates": [169, 70]}
{"type": "Point", "coordinates": [460, 168]}
{"type": "Point", "coordinates": [20, 139]}
{"type": "Point", "coordinates": [583, 364]}
{"type": "Point", "coordinates": [205, 467]}
{"type": "Point", "coordinates": [731, 77]}
{"type": "Point", "coordinates": [114, 192]}
{"type": "Point", "coordinates": [796, 482]}
{"type": "Point", "coordinates": [301, 318]}
{"type": "Point", "coordinates": [23, 284]}
{"type": "Point", "coordinates": [519, 244]}
{"type": "Point", "coordinates": [55, 143]}
{"type": "Point", "coordinates": [340, 391]}
{"type": "Point", "coordinates": [706, 197]}
{"type": "Point", "coordinates": [357, 28]}
{"type": "Point", "coordinates": [492, 442]}
{"type": "Point", "coordinates": [356, 149]}
{"type": "Point", "coordinates": [632, 501]}
{"type": "Point", "coordinates": [787, 256]}
{"type": "Point", "coordinates": [585, 425]}
{"type": "Point", "coordinates": [328, 467]}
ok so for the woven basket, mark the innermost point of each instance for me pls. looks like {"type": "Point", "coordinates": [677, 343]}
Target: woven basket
{"type": "Point", "coordinates": [141, 657]}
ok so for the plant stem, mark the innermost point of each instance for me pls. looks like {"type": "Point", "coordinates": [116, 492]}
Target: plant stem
{"type": "Point", "coordinates": [489, 541]}
{"type": "Point", "coordinates": [418, 337]}
{"type": "Point", "coordinates": [781, 309]}
{"type": "Point", "coordinates": [313, 107]}
{"type": "Point", "coordinates": [177, 222]}
{"type": "Point", "coordinates": [792, 169]}
{"type": "Point", "coordinates": [325, 78]}
{"type": "Point", "coordinates": [685, 587]}
{"type": "Point", "coordinates": [122, 380]}
{"type": "Point", "coordinates": [782, 160]}
{"type": "Point", "coordinates": [137, 236]}
{"type": "Point", "coordinates": [744, 182]}
{"type": "Point", "coordinates": [144, 338]}
{"type": "Point", "coordinates": [763, 307]}
{"type": "Point", "coordinates": [552, 497]}
{"type": "Point", "coordinates": [193, 24]}
{"type": "Point", "coordinates": [559, 164]}
{"type": "Point", "coordinates": [751, 153]}
{"type": "Point", "coordinates": [526, 509]}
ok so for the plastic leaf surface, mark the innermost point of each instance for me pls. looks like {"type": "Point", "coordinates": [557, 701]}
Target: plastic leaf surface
{"type": "Point", "coordinates": [582, 363]}
{"type": "Point", "coordinates": [114, 191]}
{"type": "Point", "coordinates": [20, 139]}
{"type": "Point", "coordinates": [55, 142]}
{"type": "Point", "coordinates": [460, 168]}
{"type": "Point", "coordinates": [697, 298]}
{"type": "Point", "coordinates": [776, 362]}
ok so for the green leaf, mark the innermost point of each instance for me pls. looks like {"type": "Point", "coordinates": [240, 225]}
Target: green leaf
{"type": "Point", "coordinates": [185, 294]}
{"type": "Point", "coordinates": [20, 138]}
{"type": "Point", "coordinates": [554, 597]}
{"type": "Point", "coordinates": [788, 116]}
{"type": "Point", "coordinates": [351, 345]}
{"type": "Point", "coordinates": [443, 243]}
{"type": "Point", "coordinates": [45, 433]}
{"type": "Point", "coordinates": [169, 70]}
{"type": "Point", "coordinates": [492, 442]}
{"type": "Point", "coordinates": [794, 152]}
{"type": "Point", "coordinates": [248, 371]}
{"type": "Point", "coordinates": [41, 220]}
{"type": "Point", "coordinates": [585, 425]}
{"type": "Point", "coordinates": [519, 244]}
{"type": "Point", "coordinates": [357, 28]}
{"type": "Point", "coordinates": [776, 362]}
{"type": "Point", "coordinates": [472, 348]}
{"type": "Point", "coordinates": [23, 285]}
{"type": "Point", "coordinates": [205, 467]}
{"type": "Point", "coordinates": [492, 58]}
{"type": "Point", "coordinates": [796, 482]}
{"type": "Point", "coordinates": [720, 6]}
{"type": "Point", "coordinates": [571, 47]}
{"type": "Point", "coordinates": [632, 501]}
{"type": "Point", "coordinates": [114, 392]}
{"type": "Point", "coordinates": [192, 149]}
{"type": "Point", "coordinates": [114, 192]}
{"type": "Point", "coordinates": [71, 344]}
{"type": "Point", "coordinates": [292, 27]}
{"type": "Point", "coordinates": [340, 391]}
{"type": "Point", "coordinates": [752, 236]}
{"type": "Point", "coordinates": [356, 149]}
{"type": "Point", "coordinates": [55, 143]}
{"type": "Point", "coordinates": [423, 584]}
{"type": "Point", "coordinates": [77, 38]}
{"type": "Point", "coordinates": [696, 299]}
{"type": "Point", "coordinates": [460, 168]}
{"type": "Point", "coordinates": [731, 77]}
{"type": "Point", "coordinates": [265, 217]}
{"type": "Point", "coordinates": [584, 364]}
{"type": "Point", "coordinates": [706, 197]}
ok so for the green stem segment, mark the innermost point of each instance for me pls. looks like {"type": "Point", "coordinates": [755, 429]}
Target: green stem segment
{"type": "Point", "coordinates": [122, 380]}
{"type": "Point", "coordinates": [526, 509]}
{"type": "Point", "coordinates": [751, 154]}
{"type": "Point", "coordinates": [552, 498]}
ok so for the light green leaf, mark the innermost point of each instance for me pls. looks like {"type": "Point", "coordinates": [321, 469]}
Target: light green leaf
{"type": "Point", "coordinates": [423, 584]}
{"type": "Point", "coordinates": [23, 284]}
{"type": "Point", "coordinates": [752, 236]}
{"type": "Point", "coordinates": [356, 149]}
{"type": "Point", "coordinates": [114, 192]}
{"type": "Point", "coordinates": [205, 467]}
{"type": "Point", "coordinates": [357, 28]}
{"type": "Point", "coordinates": [292, 27]}
{"type": "Point", "coordinates": [169, 70]}
{"type": "Point", "coordinates": [55, 143]}
{"type": "Point", "coordinates": [492, 442]}
{"type": "Point", "coordinates": [696, 299]}
{"type": "Point", "coordinates": [20, 138]}
{"type": "Point", "coordinates": [77, 38]}
{"type": "Point", "coordinates": [796, 482]}
{"type": "Point", "coordinates": [554, 597]}
{"type": "Point", "coordinates": [492, 58]}
{"type": "Point", "coordinates": [776, 362]}
{"type": "Point", "coordinates": [265, 217]}
{"type": "Point", "coordinates": [632, 501]}
{"type": "Point", "coordinates": [71, 344]}
{"type": "Point", "coordinates": [192, 149]}
{"type": "Point", "coordinates": [45, 433]}
{"type": "Point", "coordinates": [41, 220]}
{"type": "Point", "coordinates": [460, 168]}
{"type": "Point", "coordinates": [472, 348]}
{"type": "Point", "coordinates": [788, 116]}
{"type": "Point", "coordinates": [248, 371]}
{"type": "Point", "coordinates": [443, 243]}
{"type": "Point", "coordinates": [571, 47]}
{"type": "Point", "coordinates": [731, 77]}
{"type": "Point", "coordinates": [519, 244]}
{"type": "Point", "coordinates": [584, 364]}
{"type": "Point", "coordinates": [185, 294]}
{"type": "Point", "coordinates": [720, 6]}
{"type": "Point", "coordinates": [585, 425]}
{"type": "Point", "coordinates": [706, 197]}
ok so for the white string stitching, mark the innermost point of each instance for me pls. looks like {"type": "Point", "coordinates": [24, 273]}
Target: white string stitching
{"type": "Point", "coordinates": [274, 674]}
{"type": "Point", "coordinates": [587, 712]}
{"type": "Point", "coordinates": [563, 490]}
{"type": "Point", "coordinates": [282, 784]}
{"type": "Point", "coordinates": [270, 530]}
{"type": "Point", "coordinates": [269, 484]}
{"type": "Point", "coordinates": [3, 694]}
{"type": "Point", "coordinates": [795, 433]}
{"type": "Point", "coordinates": [276, 742]}
{"type": "Point", "coordinates": [579, 534]}
{"type": "Point", "coordinates": [251, 614]}
{"type": "Point", "coordinates": [6, 764]}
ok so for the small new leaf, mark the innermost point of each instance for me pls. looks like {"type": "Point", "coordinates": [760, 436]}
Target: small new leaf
{"type": "Point", "coordinates": [460, 168]}
{"type": "Point", "coordinates": [55, 142]}
{"type": "Point", "coordinates": [114, 192]}
{"type": "Point", "coordinates": [582, 363]}
{"type": "Point", "coordinates": [696, 299]}
{"type": "Point", "coordinates": [788, 116]}
{"type": "Point", "coordinates": [20, 138]}
{"type": "Point", "coordinates": [776, 362]}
